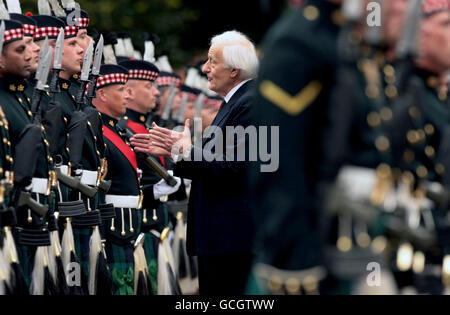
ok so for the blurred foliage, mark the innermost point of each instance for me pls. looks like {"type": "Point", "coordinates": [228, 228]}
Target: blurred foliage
{"type": "Point", "coordinates": [184, 26]}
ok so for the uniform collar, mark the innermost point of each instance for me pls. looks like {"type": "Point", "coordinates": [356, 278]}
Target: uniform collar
{"type": "Point", "coordinates": [13, 84]}
{"type": "Point", "coordinates": [109, 121]}
{"type": "Point", "coordinates": [136, 116]}
{"type": "Point", "coordinates": [65, 84]}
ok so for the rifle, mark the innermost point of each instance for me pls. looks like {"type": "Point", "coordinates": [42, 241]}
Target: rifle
{"type": "Point", "coordinates": [148, 159]}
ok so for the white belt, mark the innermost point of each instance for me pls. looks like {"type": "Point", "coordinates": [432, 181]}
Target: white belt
{"type": "Point", "coordinates": [358, 182]}
{"type": "Point", "coordinates": [64, 169]}
{"type": "Point", "coordinates": [39, 186]}
{"type": "Point", "coordinates": [89, 178]}
{"type": "Point", "coordinates": [131, 202]}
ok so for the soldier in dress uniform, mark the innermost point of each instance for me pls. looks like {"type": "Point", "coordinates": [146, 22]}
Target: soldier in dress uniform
{"type": "Point", "coordinates": [165, 81]}
{"type": "Point", "coordinates": [420, 124]}
{"type": "Point", "coordinates": [141, 94]}
{"type": "Point", "coordinates": [32, 231]}
{"type": "Point", "coordinates": [293, 94]}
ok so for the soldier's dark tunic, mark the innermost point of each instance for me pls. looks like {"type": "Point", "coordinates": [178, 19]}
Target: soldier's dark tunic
{"type": "Point", "coordinates": [122, 231]}
{"type": "Point", "coordinates": [294, 84]}
{"type": "Point", "coordinates": [154, 213]}
{"type": "Point", "coordinates": [17, 111]}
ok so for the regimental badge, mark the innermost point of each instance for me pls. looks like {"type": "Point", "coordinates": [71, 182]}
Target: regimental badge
{"type": "Point", "coordinates": [12, 87]}
{"type": "Point", "coordinates": [142, 118]}
{"type": "Point", "coordinates": [65, 86]}
{"type": "Point", "coordinates": [111, 123]}
{"type": "Point", "coordinates": [21, 88]}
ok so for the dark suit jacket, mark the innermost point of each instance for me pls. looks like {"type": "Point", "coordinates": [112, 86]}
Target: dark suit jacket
{"type": "Point", "coordinates": [219, 219]}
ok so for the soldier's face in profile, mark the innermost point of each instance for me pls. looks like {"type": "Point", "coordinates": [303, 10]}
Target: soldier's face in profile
{"type": "Point", "coordinates": [142, 94]}
{"type": "Point", "coordinates": [393, 19]}
{"type": "Point", "coordinates": [35, 49]}
{"type": "Point", "coordinates": [177, 100]}
{"type": "Point", "coordinates": [16, 59]}
{"type": "Point", "coordinates": [435, 43]}
{"type": "Point", "coordinates": [114, 96]}
{"type": "Point", "coordinates": [72, 56]}
{"type": "Point", "coordinates": [219, 77]}
{"type": "Point", "coordinates": [83, 39]}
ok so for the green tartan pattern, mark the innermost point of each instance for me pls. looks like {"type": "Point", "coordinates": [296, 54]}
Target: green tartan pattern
{"type": "Point", "coordinates": [121, 260]}
{"type": "Point", "coordinates": [26, 260]}
{"type": "Point", "coordinates": [151, 254]}
{"type": "Point", "coordinates": [82, 239]}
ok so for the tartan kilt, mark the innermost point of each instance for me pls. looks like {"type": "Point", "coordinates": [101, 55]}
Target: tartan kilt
{"type": "Point", "coordinates": [151, 243]}
{"type": "Point", "coordinates": [120, 259]}
{"type": "Point", "coordinates": [26, 260]}
{"type": "Point", "coordinates": [82, 238]}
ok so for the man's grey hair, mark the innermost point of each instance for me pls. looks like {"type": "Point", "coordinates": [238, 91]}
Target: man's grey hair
{"type": "Point", "coordinates": [238, 53]}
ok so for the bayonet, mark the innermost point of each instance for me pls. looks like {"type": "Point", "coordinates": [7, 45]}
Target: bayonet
{"type": "Point", "coordinates": [44, 66]}
{"type": "Point", "coordinates": [197, 117]}
{"type": "Point", "coordinates": [87, 62]}
{"type": "Point", "coordinates": [42, 54]}
{"type": "Point", "coordinates": [96, 69]}
{"type": "Point", "coordinates": [182, 110]}
{"type": "Point", "coordinates": [2, 40]}
{"type": "Point", "coordinates": [166, 113]}
{"type": "Point", "coordinates": [407, 48]}
{"type": "Point", "coordinates": [57, 64]}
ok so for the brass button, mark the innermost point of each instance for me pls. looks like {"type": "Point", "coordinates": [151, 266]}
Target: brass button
{"type": "Point", "coordinates": [95, 138]}
{"type": "Point", "coordinates": [311, 284]}
{"type": "Point", "coordinates": [389, 71]}
{"type": "Point", "coordinates": [413, 136]}
{"type": "Point", "coordinates": [20, 100]}
{"type": "Point", "coordinates": [89, 124]}
{"type": "Point", "coordinates": [292, 286]}
{"type": "Point", "coordinates": [433, 82]}
{"type": "Point", "coordinates": [5, 140]}
{"type": "Point", "coordinates": [386, 114]}
{"type": "Point", "coordinates": [373, 119]}
{"type": "Point", "coordinates": [344, 244]}
{"type": "Point", "coordinates": [440, 169]}
{"type": "Point", "coordinates": [275, 284]}
{"type": "Point", "coordinates": [390, 80]}
{"type": "Point", "coordinates": [422, 171]}
{"type": "Point", "coordinates": [382, 144]}
{"type": "Point", "coordinates": [429, 129]}
{"type": "Point", "coordinates": [429, 151]}
{"type": "Point", "coordinates": [30, 113]}
{"type": "Point", "coordinates": [391, 91]}
{"type": "Point", "coordinates": [311, 13]}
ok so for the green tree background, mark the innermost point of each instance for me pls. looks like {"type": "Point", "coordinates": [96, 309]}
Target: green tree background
{"type": "Point", "coordinates": [183, 26]}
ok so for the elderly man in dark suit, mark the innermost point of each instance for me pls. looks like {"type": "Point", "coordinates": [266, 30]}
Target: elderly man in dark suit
{"type": "Point", "coordinates": [219, 220]}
